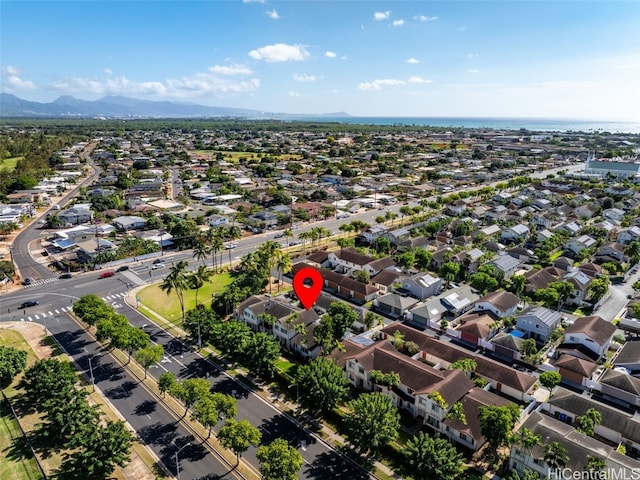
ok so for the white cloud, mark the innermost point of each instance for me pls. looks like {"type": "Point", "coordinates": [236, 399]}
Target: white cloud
{"type": "Point", "coordinates": [253, 1]}
{"type": "Point", "coordinates": [11, 78]}
{"type": "Point", "coordinates": [472, 55]}
{"type": "Point", "coordinates": [416, 79]}
{"type": "Point", "coordinates": [108, 71]}
{"type": "Point", "coordinates": [293, 93]}
{"type": "Point", "coordinates": [382, 15]}
{"type": "Point", "coordinates": [330, 54]}
{"type": "Point", "coordinates": [280, 52]}
{"type": "Point", "coordinates": [398, 23]}
{"type": "Point", "coordinates": [230, 70]}
{"type": "Point", "coordinates": [379, 83]}
{"type": "Point", "coordinates": [303, 77]}
{"type": "Point", "coordinates": [461, 29]}
{"type": "Point", "coordinates": [273, 14]}
{"type": "Point", "coordinates": [213, 82]}
{"type": "Point", "coordinates": [413, 61]}
{"type": "Point", "coordinates": [424, 18]}
{"type": "Point", "coordinates": [473, 70]}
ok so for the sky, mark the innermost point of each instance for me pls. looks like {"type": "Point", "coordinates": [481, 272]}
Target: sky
{"type": "Point", "coordinates": [574, 59]}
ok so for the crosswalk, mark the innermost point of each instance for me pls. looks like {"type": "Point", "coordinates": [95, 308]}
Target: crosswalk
{"type": "Point", "coordinates": [42, 282]}
{"type": "Point", "coordinates": [44, 315]}
{"type": "Point", "coordinates": [114, 300]}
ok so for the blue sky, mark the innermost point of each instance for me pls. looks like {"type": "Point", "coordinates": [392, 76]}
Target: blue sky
{"type": "Point", "coordinates": [515, 58]}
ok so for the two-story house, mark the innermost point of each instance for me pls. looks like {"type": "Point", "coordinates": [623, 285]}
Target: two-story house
{"type": "Point", "coordinates": [501, 303]}
{"type": "Point", "coordinates": [421, 286]}
{"type": "Point", "coordinates": [516, 234]}
{"type": "Point", "coordinates": [538, 323]}
{"type": "Point", "coordinates": [588, 337]}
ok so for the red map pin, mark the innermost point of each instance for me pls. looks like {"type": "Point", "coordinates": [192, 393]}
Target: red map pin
{"type": "Point", "coordinates": [307, 294]}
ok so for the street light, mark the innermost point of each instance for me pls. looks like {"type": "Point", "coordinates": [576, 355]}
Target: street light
{"type": "Point", "coordinates": [178, 464]}
{"type": "Point", "coordinates": [93, 380]}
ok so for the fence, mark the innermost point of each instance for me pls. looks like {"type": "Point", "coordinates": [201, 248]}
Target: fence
{"type": "Point", "coordinates": [26, 439]}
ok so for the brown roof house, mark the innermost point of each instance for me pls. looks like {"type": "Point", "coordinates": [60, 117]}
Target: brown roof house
{"type": "Point", "coordinates": [588, 337]}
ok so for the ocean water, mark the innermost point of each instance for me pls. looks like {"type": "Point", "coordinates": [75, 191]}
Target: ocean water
{"type": "Point", "coordinates": [532, 124]}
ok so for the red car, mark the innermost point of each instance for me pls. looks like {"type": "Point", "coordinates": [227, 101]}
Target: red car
{"type": "Point", "coordinates": [107, 274]}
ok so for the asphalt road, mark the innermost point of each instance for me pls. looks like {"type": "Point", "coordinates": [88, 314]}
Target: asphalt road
{"type": "Point", "coordinates": [55, 298]}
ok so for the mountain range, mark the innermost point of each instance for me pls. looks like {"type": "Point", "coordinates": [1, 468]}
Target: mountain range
{"type": "Point", "coordinates": [112, 106]}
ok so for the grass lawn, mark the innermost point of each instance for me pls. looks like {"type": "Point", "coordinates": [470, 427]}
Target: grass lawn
{"type": "Point", "coordinates": [17, 462]}
{"type": "Point", "coordinates": [9, 163]}
{"type": "Point", "coordinates": [167, 306]}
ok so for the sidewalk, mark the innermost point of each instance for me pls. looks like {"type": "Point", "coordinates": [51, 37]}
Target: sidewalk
{"type": "Point", "coordinates": [281, 402]}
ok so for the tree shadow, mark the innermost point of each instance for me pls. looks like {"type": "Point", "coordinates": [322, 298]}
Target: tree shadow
{"type": "Point", "coordinates": [158, 433]}
{"type": "Point", "coordinates": [121, 391]}
{"type": "Point", "coordinates": [73, 344]}
{"type": "Point", "coordinates": [231, 387]}
{"type": "Point", "coordinates": [330, 465]}
{"type": "Point", "coordinates": [175, 347]}
{"type": "Point", "coordinates": [198, 368]}
{"type": "Point", "coordinates": [18, 450]}
{"type": "Point", "coordinates": [280, 426]}
{"type": "Point", "coordinates": [145, 408]}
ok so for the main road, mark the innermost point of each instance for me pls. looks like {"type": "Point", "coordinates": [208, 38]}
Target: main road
{"type": "Point", "coordinates": [156, 427]}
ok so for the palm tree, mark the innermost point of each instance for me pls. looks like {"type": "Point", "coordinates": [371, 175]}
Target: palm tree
{"type": "Point", "coordinates": [200, 249]}
{"type": "Point", "coordinates": [288, 234]}
{"type": "Point", "coordinates": [197, 279]}
{"type": "Point", "coordinates": [176, 281]}
{"type": "Point", "coordinates": [215, 244]}
{"type": "Point", "coordinates": [304, 236]}
{"type": "Point", "coordinates": [589, 421]}
{"type": "Point", "coordinates": [284, 265]}
{"type": "Point", "coordinates": [556, 456]}
{"type": "Point", "coordinates": [346, 228]}
{"type": "Point", "coordinates": [527, 439]}
{"type": "Point", "coordinates": [232, 233]}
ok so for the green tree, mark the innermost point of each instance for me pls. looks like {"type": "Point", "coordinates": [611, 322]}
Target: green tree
{"type": "Point", "coordinates": [550, 379]}
{"type": "Point", "coordinates": [467, 365]}
{"type": "Point", "coordinates": [104, 448]}
{"type": "Point", "coordinates": [456, 412]}
{"type": "Point", "coordinates": [594, 465]}
{"type": "Point", "coordinates": [279, 461]}
{"type": "Point", "coordinates": [176, 281]}
{"type": "Point", "coordinates": [197, 279]}
{"type": "Point", "coordinates": [527, 439]}
{"type": "Point", "coordinates": [556, 456]}
{"type": "Point", "coordinates": [12, 362]}
{"type": "Point", "coordinates": [213, 407]}
{"type": "Point", "coordinates": [91, 309]}
{"type": "Point", "coordinates": [238, 436]}
{"type": "Point", "coordinates": [372, 421]}
{"type": "Point", "coordinates": [323, 384]}
{"type": "Point", "coordinates": [588, 421]}
{"type": "Point", "coordinates": [167, 382]}
{"type": "Point", "coordinates": [45, 377]}
{"type": "Point", "coordinates": [333, 325]}
{"type": "Point", "coordinates": [483, 282]}
{"type": "Point", "coordinates": [148, 356]}
{"type": "Point", "coordinates": [449, 271]}
{"type": "Point", "coordinates": [191, 391]}
{"type": "Point", "coordinates": [232, 337]}
{"type": "Point", "coordinates": [67, 416]}
{"type": "Point", "coordinates": [432, 458]}
{"type": "Point", "coordinates": [201, 249]}
{"type": "Point", "coordinates": [497, 422]}
{"type": "Point", "coordinates": [261, 353]}
{"type": "Point", "coordinates": [599, 287]}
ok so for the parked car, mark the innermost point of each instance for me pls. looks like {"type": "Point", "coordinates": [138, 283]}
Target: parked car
{"type": "Point", "coordinates": [122, 268]}
{"type": "Point", "coordinates": [278, 235]}
{"type": "Point", "coordinates": [107, 274]}
{"type": "Point", "coordinates": [29, 303]}
{"type": "Point", "coordinates": [65, 275]}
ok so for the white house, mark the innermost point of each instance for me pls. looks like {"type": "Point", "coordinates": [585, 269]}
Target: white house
{"type": "Point", "coordinates": [592, 333]}
{"type": "Point", "coordinates": [421, 286]}
{"type": "Point", "coordinates": [538, 322]}
{"type": "Point", "coordinates": [517, 233]}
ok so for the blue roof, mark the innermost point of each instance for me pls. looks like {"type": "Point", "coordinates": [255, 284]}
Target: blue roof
{"type": "Point", "coordinates": [64, 243]}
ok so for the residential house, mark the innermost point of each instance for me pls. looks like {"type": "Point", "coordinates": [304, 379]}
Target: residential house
{"type": "Point", "coordinates": [516, 234]}
{"type": "Point", "coordinates": [421, 286]}
{"type": "Point", "coordinates": [349, 260]}
{"type": "Point", "coordinates": [628, 235]}
{"type": "Point", "coordinates": [501, 303]}
{"type": "Point", "coordinates": [385, 280]}
{"type": "Point", "coordinates": [580, 448]}
{"type": "Point", "coordinates": [615, 214]}
{"type": "Point", "coordinates": [622, 387]}
{"type": "Point", "coordinates": [611, 252]}
{"type": "Point", "coordinates": [628, 357]}
{"type": "Point", "coordinates": [576, 245]}
{"type": "Point", "coordinates": [586, 211]}
{"type": "Point", "coordinates": [538, 323]}
{"type": "Point", "coordinates": [507, 346]}
{"type": "Point", "coordinates": [506, 265]}
{"type": "Point", "coordinates": [477, 327]}
{"type": "Point", "coordinates": [456, 208]}
{"type": "Point", "coordinates": [129, 222]}
{"type": "Point", "coordinates": [581, 283]}
{"type": "Point", "coordinates": [572, 228]}
{"type": "Point", "coordinates": [75, 215]}
{"type": "Point", "coordinates": [588, 337]}
{"type": "Point", "coordinates": [497, 214]}
{"type": "Point", "coordinates": [394, 305]}
{"type": "Point", "coordinates": [575, 371]}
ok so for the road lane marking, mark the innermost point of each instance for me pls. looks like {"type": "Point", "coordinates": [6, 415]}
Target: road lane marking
{"type": "Point", "coordinates": [50, 314]}
{"type": "Point", "coordinates": [37, 317]}
{"type": "Point", "coordinates": [57, 311]}
{"type": "Point", "coordinates": [29, 318]}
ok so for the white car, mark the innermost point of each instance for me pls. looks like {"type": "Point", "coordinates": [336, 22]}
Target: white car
{"type": "Point", "coordinates": [229, 246]}
{"type": "Point", "coordinates": [156, 266]}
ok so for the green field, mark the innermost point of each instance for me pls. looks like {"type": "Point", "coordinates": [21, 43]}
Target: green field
{"type": "Point", "coordinates": [9, 163]}
{"type": "Point", "coordinates": [16, 461]}
{"type": "Point", "coordinates": [167, 306]}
